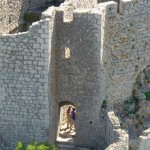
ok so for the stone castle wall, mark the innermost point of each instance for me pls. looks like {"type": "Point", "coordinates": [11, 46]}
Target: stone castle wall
{"type": "Point", "coordinates": [94, 57]}
{"type": "Point", "coordinates": [125, 46]}
{"type": "Point", "coordinates": [12, 12]}
{"type": "Point", "coordinates": [24, 75]}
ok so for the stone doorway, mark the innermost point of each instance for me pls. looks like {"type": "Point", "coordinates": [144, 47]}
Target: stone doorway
{"type": "Point", "coordinates": [66, 129]}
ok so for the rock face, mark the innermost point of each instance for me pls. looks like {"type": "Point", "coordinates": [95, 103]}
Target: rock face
{"type": "Point", "coordinates": [12, 12]}
{"type": "Point", "coordinates": [144, 143]}
{"type": "Point", "coordinates": [81, 56]}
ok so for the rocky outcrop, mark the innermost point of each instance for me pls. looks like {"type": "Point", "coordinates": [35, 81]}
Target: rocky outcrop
{"type": "Point", "coordinates": [144, 140]}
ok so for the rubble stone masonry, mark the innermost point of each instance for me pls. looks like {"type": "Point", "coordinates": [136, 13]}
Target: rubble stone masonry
{"type": "Point", "coordinates": [95, 56]}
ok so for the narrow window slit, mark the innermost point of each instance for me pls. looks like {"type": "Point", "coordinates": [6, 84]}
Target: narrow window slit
{"type": "Point", "coordinates": [67, 52]}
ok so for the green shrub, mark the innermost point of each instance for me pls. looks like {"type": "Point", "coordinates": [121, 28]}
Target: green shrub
{"type": "Point", "coordinates": [42, 147]}
{"type": "Point", "coordinates": [35, 146]}
{"type": "Point", "coordinates": [31, 147]}
{"type": "Point", "coordinates": [53, 147]}
{"type": "Point", "coordinates": [20, 146]}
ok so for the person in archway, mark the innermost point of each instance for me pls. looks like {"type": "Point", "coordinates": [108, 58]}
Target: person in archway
{"type": "Point", "coordinates": [68, 117]}
{"type": "Point", "coordinates": [73, 116]}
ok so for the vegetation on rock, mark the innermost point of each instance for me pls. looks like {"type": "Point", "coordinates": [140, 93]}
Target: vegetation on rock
{"type": "Point", "coordinates": [147, 94]}
{"type": "Point", "coordinates": [131, 106]}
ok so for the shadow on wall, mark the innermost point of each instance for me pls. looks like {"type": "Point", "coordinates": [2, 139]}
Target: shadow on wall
{"type": "Point", "coordinates": [101, 1]}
